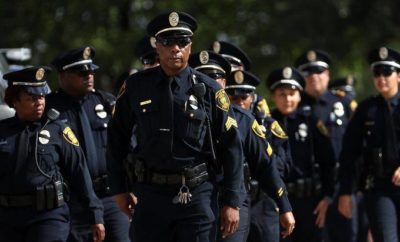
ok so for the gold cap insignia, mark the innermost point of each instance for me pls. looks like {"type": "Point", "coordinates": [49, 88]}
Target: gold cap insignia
{"type": "Point", "coordinates": [86, 53]}
{"type": "Point", "coordinates": [269, 150]}
{"type": "Point", "coordinates": [44, 137]}
{"type": "Point", "coordinates": [70, 137]}
{"type": "Point", "coordinates": [222, 100]}
{"type": "Point", "coordinates": [230, 122]}
{"type": "Point", "coordinates": [152, 42]}
{"type": "Point", "coordinates": [322, 128]}
{"type": "Point", "coordinates": [216, 47]}
{"type": "Point", "coordinates": [204, 57]}
{"type": "Point", "coordinates": [277, 130]}
{"type": "Point", "coordinates": [100, 112]}
{"type": "Point", "coordinates": [39, 74]}
{"type": "Point", "coordinates": [311, 56]}
{"type": "Point", "coordinates": [383, 53]}
{"type": "Point", "coordinates": [257, 129]}
{"type": "Point", "coordinates": [173, 19]}
{"type": "Point", "coordinates": [287, 72]}
{"type": "Point", "coordinates": [239, 78]}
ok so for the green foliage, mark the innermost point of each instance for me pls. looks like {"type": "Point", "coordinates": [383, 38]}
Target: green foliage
{"type": "Point", "coordinates": [272, 32]}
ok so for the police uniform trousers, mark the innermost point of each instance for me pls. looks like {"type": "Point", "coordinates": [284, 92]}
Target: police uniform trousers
{"type": "Point", "coordinates": [158, 219]}
{"type": "Point", "coordinates": [264, 223]}
{"type": "Point", "coordinates": [303, 211]}
{"type": "Point", "coordinates": [242, 231]}
{"type": "Point", "coordinates": [116, 223]}
{"type": "Point", "coordinates": [25, 224]}
{"type": "Point", "coordinates": [383, 210]}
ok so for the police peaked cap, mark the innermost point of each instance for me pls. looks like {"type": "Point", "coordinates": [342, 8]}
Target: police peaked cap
{"type": "Point", "coordinates": [32, 79]}
{"type": "Point", "coordinates": [80, 59]}
{"type": "Point", "coordinates": [313, 60]}
{"type": "Point", "coordinates": [240, 82]}
{"type": "Point", "coordinates": [384, 56]}
{"type": "Point", "coordinates": [342, 82]}
{"type": "Point", "coordinates": [286, 76]}
{"type": "Point", "coordinates": [210, 62]}
{"type": "Point", "coordinates": [232, 53]}
{"type": "Point", "coordinates": [172, 24]}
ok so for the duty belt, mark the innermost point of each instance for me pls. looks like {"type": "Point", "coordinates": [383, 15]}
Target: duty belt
{"type": "Point", "coordinates": [193, 176]}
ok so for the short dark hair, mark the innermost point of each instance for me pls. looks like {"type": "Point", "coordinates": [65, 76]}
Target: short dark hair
{"type": "Point", "coordinates": [11, 93]}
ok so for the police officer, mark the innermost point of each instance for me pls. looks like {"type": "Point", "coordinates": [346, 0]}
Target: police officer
{"type": "Point", "coordinates": [88, 111]}
{"type": "Point", "coordinates": [41, 158]}
{"type": "Point", "coordinates": [334, 111]}
{"type": "Point", "coordinates": [343, 86]}
{"type": "Point", "coordinates": [216, 67]}
{"type": "Point", "coordinates": [373, 133]}
{"type": "Point", "coordinates": [180, 118]}
{"type": "Point", "coordinates": [310, 182]}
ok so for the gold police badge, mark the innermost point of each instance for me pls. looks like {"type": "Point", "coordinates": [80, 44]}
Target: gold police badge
{"type": "Point", "coordinates": [239, 78]}
{"type": "Point", "coordinates": [39, 74]}
{"type": "Point", "coordinates": [257, 129]}
{"type": "Point", "coordinates": [277, 130]}
{"type": "Point", "coordinates": [222, 100]}
{"type": "Point", "coordinates": [70, 137]}
{"type": "Point", "coordinates": [216, 47]}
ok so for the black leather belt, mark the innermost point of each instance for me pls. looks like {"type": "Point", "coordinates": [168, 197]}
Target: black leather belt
{"type": "Point", "coordinates": [16, 200]}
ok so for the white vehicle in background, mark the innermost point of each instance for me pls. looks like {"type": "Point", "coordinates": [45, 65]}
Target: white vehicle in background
{"type": "Point", "coordinates": [10, 55]}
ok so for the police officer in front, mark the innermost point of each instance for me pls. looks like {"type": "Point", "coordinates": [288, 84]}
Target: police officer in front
{"type": "Point", "coordinates": [41, 161]}
{"type": "Point", "coordinates": [374, 134]}
{"type": "Point", "coordinates": [258, 153]}
{"type": "Point", "coordinates": [88, 111]}
{"type": "Point", "coordinates": [185, 130]}
{"type": "Point", "coordinates": [310, 182]}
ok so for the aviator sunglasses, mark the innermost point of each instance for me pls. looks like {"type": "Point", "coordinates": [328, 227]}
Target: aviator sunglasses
{"type": "Point", "coordinates": [180, 41]}
{"type": "Point", "coordinates": [385, 71]}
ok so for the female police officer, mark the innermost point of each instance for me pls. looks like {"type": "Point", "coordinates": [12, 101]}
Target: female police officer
{"type": "Point", "coordinates": [374, 133]}
{"type": "Point", "coordinates": [36, 154]}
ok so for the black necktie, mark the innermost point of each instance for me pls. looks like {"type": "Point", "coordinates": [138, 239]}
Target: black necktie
{"type": "Point", "coordinates": [166, 118]}
{"type": "Point", "coordinates": [390, 144]}
{"type": "Point", "coordinates": [23, 149]}
{"type": "Point", "coordinates": [90, 148]}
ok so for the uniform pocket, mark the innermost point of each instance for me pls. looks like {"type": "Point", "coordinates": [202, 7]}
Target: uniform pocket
{"type": "Point", "coordinates": [194, 126]}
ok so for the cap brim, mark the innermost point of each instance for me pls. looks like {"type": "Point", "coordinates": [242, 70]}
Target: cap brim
{"type": "Point", "coordinates": [41, 90]}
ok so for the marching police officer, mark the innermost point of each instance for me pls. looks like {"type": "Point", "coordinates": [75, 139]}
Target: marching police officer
{"type": "Point", "coordinates": [310, 182]}
{"type": "Point", "coordinates": [373, 133]}
{"type": "Point", "coordinates": [41, 158]}
{"type": "Point", "coordinates": [334, 111]}
{"type": "Point", "coordinates": [343, 86]}
{"type": "Point", "coordinates": [253, 142]}
{"type": "Point", "coordinates": [180, 119]}
{"type": "Point", "coordinates": [88, 111]}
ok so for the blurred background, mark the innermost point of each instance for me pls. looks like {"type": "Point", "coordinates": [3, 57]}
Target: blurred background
{"type": "Point", "coordinates": [272, 32]}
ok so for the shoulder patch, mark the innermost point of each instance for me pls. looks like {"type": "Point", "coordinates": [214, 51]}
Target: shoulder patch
{"type": "Point", "coordinates": [277, 130]}
{"type": "Point", "coordinates": [269, 150]}
{"type": "Point", "coordinates": [121, 90]}
{"type": "Point", "coordinates": [70, 137]}
{"type": "Point", "coordinates": [262, 106]}
{"type": "Point", "coordinates": [222, 100]}
{"type": "Point", "coordinates": [257, 129]}
{"type": "Point", "coordinates": [322, 128]}
{"type": "Point", "coordinates": [353, 105]}
{"type": "Point", "coordinates": [230, 122]}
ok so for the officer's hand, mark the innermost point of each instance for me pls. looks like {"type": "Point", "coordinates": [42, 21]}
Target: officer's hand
{"type": "Point", "coordinates": [345, 206]}
{"type": "Point", "coordinates": [287, 222]}
{"type": "Point", "coordinates": [126, 202]}
{"type": "Point", "coordinates": [98, 232]}
{"type": "Point", "coordinates": [396, 177]}
{"type": "Point", "coordinates": [321, 210]}
{"type": "Point", "coordinates": [229, 220]}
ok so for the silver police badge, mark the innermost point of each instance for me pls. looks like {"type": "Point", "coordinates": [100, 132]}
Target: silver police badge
{"type": "Point", "coordinates": [239, 78]}
{"type": "Point", "coordinates": [44, 137]}
{"type": "Point", "coordinates": [338, 109]}
{"type": "Point", "coordinates": [173, 19]}
{"type": "Point", "coordinates": [192, 103]}
{"type": "Point", "coordinates": [287, 72]}
{"type": "Point", "coordinates": [203, 56]}
{"type": "Point", "coordinates": [100, 112]}
{"type": "Point", "coordinates": [216, 47]}
{"type": "Point", "coordinates": [302, 132]}
{"type": "Point", "coordinates": [383, 53]}
{"type": "Point", "coordinates": [311, 56]}
{"type": "Point", "coordinates": [39, 74]}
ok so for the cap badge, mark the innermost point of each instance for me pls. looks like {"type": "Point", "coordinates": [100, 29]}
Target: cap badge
{"type": "Point", "coordinates": [350, 80]}
{"type": "Point", "coordinates": [44, 137]}
{"type": "Point", "coordinates": [100, 112]}
{"type": "Point", "coordinates": [204, 57]}
{"type": "Point", "coordinates": [287, 72]}
{"type": "Point", "coordinates": [173, 19]}
{"type": "Point", "coordinates": [383, 53]}
{"type": "Point", "coordinates": [153, 42]}
{"type": "Point", "coordinates": [39, 74]}
{"type": "Point", "coordinates": [216, 47]}
{"type": "Point", "coordinates": [311, 56]}
{"type": "Point", "coordinates": [239, 77]}
{"type": "Point", "coordinates": [86, 53]}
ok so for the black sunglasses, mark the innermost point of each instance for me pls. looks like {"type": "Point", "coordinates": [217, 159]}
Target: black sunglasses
{"type": "Point", "coordinates": [386, 71]}
{"type": "Point", "coordinates": [83, 73]}
{"type": "Point", "coordinates": [180, 41]}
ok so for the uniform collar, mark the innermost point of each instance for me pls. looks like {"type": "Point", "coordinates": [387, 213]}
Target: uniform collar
{"type": "Point", "coordinates": [181, 77]}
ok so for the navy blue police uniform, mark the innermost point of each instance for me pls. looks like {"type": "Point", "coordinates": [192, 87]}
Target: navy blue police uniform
{"type": "Point", "coordinates": [311, 177]}
{"type": "Point", "coordinates": [179, 123]}
{"type": "Point", "coordinates": [41, 161]}
{"type": "Point", "coordinates": [334, 111]}
{"type": "Point", "coordinates": [91, 131]}
{"type": "Point", "coordinates": [373, 133]}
